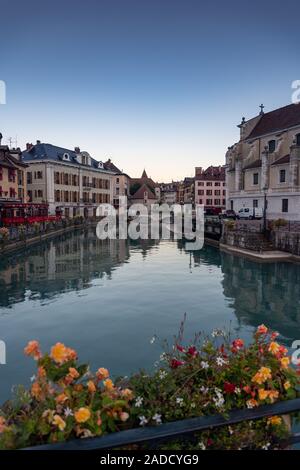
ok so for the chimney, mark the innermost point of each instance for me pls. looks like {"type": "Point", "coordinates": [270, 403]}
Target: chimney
{"type": "Point", "coordinates": [38, 142]}
{"type": "Point", "coordinates": [77, 149]}
{"type": "Point", "coordinates": [28, 146]}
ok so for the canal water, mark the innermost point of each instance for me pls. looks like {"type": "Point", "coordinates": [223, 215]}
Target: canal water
{"type": "Point", "coordinates": [107, 299]}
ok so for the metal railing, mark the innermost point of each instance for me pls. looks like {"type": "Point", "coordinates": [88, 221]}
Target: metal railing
{"type": "Point", "coordinates": [177, 429]}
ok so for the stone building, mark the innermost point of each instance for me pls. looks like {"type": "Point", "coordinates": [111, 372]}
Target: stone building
{"type": "Point", "coordinates": [263, 167]}
{"type": "Point", "coordinates": [210, 187]}
{"type": "Point", "coordinates": [70, 181]}
{"type": "Point", "coordinates": [120, 182]}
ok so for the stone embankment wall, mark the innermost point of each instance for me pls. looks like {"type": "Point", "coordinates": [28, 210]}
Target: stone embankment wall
{"type": "Point", "coordinates": [286, 241]}
{"type": "Point", "coordinates": [248, 240]}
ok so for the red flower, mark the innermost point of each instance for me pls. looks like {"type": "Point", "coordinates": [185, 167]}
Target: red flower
{"type": "Point", "coordinates": [192, 351]}
{"type": "Point", "coordinates": [180, 348]}
{"type": "Point", "coordinates": [228, 387]}
{"type": "Point", "coordinates": [237, 344]}
{"type": "Point", "coordinates": [209, 442]}
{"type": "Point", "coordinates": [175, 363]}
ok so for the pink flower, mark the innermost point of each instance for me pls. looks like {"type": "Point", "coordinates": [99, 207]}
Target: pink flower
{"type": "Point", "coordinates": [175, 363]}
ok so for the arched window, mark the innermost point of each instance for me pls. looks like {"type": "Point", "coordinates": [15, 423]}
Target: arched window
{"type": "Point", "coordinates": [272, 145]}
{"type": "Point", "coordinates": [298, 139]}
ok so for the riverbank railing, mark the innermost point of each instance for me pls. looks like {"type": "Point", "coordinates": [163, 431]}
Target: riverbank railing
{"type": "Point", "coordinates": [178, 429]}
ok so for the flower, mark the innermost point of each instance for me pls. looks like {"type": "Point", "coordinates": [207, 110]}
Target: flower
{"type": "Point", "coordinates": [82, 415]}
{"type": "Point", "coordinates": [59, 422]}
{"type": "Point", "coordinates": [162, 374]}
{"type": "Point", "coordinates": [217, 332]}
{"type": "Point", "coordinates": [68, 412]}
{"type": "Point", "coordinates": [192, 351]}
{"type": "Point", "coordinates": [204, 365]}
{"type": "Point", "coordinates": [274, 420]}
{"type": "Point", "coordinates": [3, 425]}
{"type": "Point", "coordinates": [127, 393]}
{"type": "Point", "coordinates": [36, 391]}
{"type": "Point", "coordinates": [108, 384]}
{"type": "Point", "coordinates": [262, 329]}
{"type": "Point", "coordinates": [175, 363]}
{"type": "Point", "coordinates": [102, 373]}
{"type": "Point", "coordinates": [284, 362]}
{"type": "Point", "coordinates": [273, 394]}
{"type": "Point", "coordinates": [41, 372]}
{"type": "Point", "coordinates": [251, 403]}
{"type": "Point", "coordinates": [91, 386]}
{"type": "Point", "coordinates": [229, 387]}
{"type": "Point", "coordinates": [179, 401]}
{"type": "Point", "coordinates": [263, 394]}
{"type": "Point", "coordinates": [73, 373]}
{"type": "Point", "coordinates": [157, 418]}
{"type": "Point", "coordinates": [60, 353]}
{"type": "Point", "coordinates": [33, 349]}
{"type": "Point", "coordinates": [138, 402]}
{"type": "Point", "coordinates": [237, 344]}
{"type": "Point", "coordinates": [274, 347]}
{"type": "Point", "coordinates": [202, 446]}
{"type": "Point", "coordinates": [220, 361]}
{"type": "Point", "coordinates": [124, 416]}
{"type": "Point", "coordinates": [204, 390]}
{"type": "Point", "coordinates": [61, 398]}
{"type": "Point", "coordinates": [143, 420]}
{"type": "Point", "coordinates": [152, 340]}
{"type": "Point", "coordinates": [262, 375]}
{"type": "Point", "coordinates": [287, 385]}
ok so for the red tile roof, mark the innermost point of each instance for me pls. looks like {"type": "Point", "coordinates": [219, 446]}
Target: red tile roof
{"type": "Point", "coordinates": [139, 194]}
{"type": "Point", "coordinates": [212, 173]}
{"type": "Point", "coordinates": [277, 120]}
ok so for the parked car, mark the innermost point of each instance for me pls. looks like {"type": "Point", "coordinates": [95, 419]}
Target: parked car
{"type": "Point", "coordinates": [228, 214]}
{"type": "Point", "coordinates": [250, 213]}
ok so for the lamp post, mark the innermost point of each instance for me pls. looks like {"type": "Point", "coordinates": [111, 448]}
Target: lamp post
{"type": "Point", "coordinates": [265, 189]}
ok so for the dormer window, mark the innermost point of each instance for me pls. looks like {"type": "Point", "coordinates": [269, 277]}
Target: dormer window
{"type": "Point", "coordinates": [100, 165]}
{"type": "Point", "coordinates": [271, 146]}
{"type": "Point", "coordinates": [66, 157]}
{"type": "Point", "coordinates": [298, 139]}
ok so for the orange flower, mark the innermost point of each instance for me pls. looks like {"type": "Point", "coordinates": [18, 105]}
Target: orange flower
{"type": "Point", "coordinates": [263, 394]}
{"type": "Point", "coordinates": [262, 375]}
{"type": "Point", "coordinates": [287, 385]}
{"type": "Point", "coordinates": [36, 391]}
{"type": "Point", "coordinates": [127, 393]}
{"type": "Point", "coordinates": [73, 373]}
{"type": "Point", "coordinates": [3, 425]}
{"type": "Point", "coordinates": [273, 394]}
{"type": "Point", "coordinates": [108, 384]}
{"type": "Point", "coordinates": [274, 420]}
{"type": "Point", "coordinates": [82, 415]}
{"type": "Point", "coordinates": [41, 372]}
{"type": "Point", "coordinates": [91, 386]}
{"type": "Point", "coordinates": [284, 361]}
{"type": "Point", "coordinates": [262, 330]}
{"type": "Point", "coordinates": [102, 373]}
{"type": "Point", "coordinates": [61, 398]}
{"type": "Point", "coordinates": [60, 353]}
{"type": "Point", "coordinates": [59, 422]}
{"type": "Point", "coordinates": [251, 403]}
{"type": "Point", "coordinates": [78, 387]}
{"type": "Point", "coordinates": [33, 349]}
{"type": "Point", "coordinates": [274, 347]}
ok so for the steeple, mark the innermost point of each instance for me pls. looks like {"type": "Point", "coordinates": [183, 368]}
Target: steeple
{"type": "Point", "coordinates": [144, 175]}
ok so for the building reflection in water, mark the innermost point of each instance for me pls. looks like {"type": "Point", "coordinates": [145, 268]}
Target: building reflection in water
{"type": "Point", "coordinates": [70, 262]}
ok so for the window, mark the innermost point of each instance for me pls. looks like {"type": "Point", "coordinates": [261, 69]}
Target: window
{"type": "Point", "coordinates": [223, 202]}
{"type": "Point", "coordinates": [255, 178]}
{"type": "Point", "coordinates": [255, 203]}
{"type": "Point", "coordinates": [285, 205]}
{"type": "Point", "coordinates": [200, 183]}
{"type": "Point", "coordinates": [209, 192]}
{"type": "Point", "coordinates": [298, 139]}
{"type": "Point", "coordinates": [272, 145]}
{"type": "Point", "coordinates": [217, 184]}
{"type": "Point", "coordinates": [38, 175]}
{"type": "Point", "coordinates": [209, 183]}
{"type": "Point", "coordinates": [217, 202]}
{"type": "Point", "coordinates": [209, 202]}
{"type": "Point", "coordinates": [231, 205]}
{"type": "Point", "coordinates": [200, 192]}
{"type": "Point", "coordinates": [217, 192]}
{"type": "Point", "coordinates": [282, 176]}
{"type": "Point", "coordinates": [200, 201]}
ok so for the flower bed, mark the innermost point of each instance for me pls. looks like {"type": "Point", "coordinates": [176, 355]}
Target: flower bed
{"type": "Point", "coordinates": [213, 375]}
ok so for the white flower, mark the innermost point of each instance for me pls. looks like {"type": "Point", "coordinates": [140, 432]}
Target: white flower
{"type": "Point", "coordinates": [250, 404]}
{"type": "Point", "coordinates": [163, 357]}
{"type": "Point", "coordinates": [179, 401]}
{"type": "Point", "coordinates": [143, 420]}
{"type": "Point", "coordinates": [86, 433]}
{"type": "Point", "coordinates": [266, 446]}
{"type": "Point", "coordinates": [204, 390]}
{"type": "Point", "coordinates": [162, 374]}
{"type": "Point", "coordinates": [138, 402]}
{"type": "Point", "coordinates": [152, 340]}
{"type": "Point", "coordinates": [237, 390]}
{"type": "Point", "coordinates": [157, 418]}
{"type": "Point", "coordinates": [193, 405]}
{"type": "Point", "coordinates": [202, 446]}
{"type": "Point", "coordinates": [68, 412]}
{"type": "Point", "coordinates": [219, 399]}
{"type": "Point", "coordinates": [32, 378]}
{"type": "Point", "coordinates": [230, 430]}
{"type": "Point", "coordinates": [204, 364]}
{"type": "Point", "coordinates": [220, 361]}
{"type": "Point", "coordinates": [217, 332]}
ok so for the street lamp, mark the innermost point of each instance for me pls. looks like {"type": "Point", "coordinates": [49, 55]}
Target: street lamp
{"type": "Point", "coordinates": [265, 189]}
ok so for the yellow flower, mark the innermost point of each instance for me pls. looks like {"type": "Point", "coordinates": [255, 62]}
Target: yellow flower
{"type": "Point", "coordinates": [59, 422]}
{"type": "Point", "coordinates": [127, 393]}
{"type": "Point", "coordinates": [262, 375]}
{"type": "Point", "coordinates": [91, 386]}
{"type": "Point", "coordinates": [287, 385]}
{"type": "Point", "coordinates": [60, 353]}
{"type": "Point", "coordinates": [82, 415]}
{"type": "Point", "coordinates": [102, 373]}
{"type": "Point", "coordinates": [284, 361]}
{"type": "Point", "coordinates": [73, 373]}
{"type": "Point", "coordinates": [108, 384]}
{"type": "Point", "coordinates": [274, 347]}
{"type": "Point", "coordinates": [274, 420]}
{"type": "Point", "coordinates": [263, 394]}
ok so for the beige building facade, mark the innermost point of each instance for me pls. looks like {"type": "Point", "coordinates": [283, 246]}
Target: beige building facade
{"type": "Point", "coordinates": [265, 164]}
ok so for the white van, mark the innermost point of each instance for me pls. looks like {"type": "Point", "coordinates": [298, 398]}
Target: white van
{"type": "Point", "coordinates": [250, 213]}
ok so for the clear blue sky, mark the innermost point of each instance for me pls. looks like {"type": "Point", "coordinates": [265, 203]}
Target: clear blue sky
{"type": "Point", "coordinates": [159, 84]}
